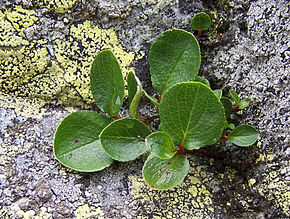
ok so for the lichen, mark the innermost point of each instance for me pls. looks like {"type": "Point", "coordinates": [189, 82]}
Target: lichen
{"type": "Point", "coordinates": [190, 199]}
{"type": "Point", "coordinates": [38, 72]}
{"type": "Point", "coordinates": [85, 211]}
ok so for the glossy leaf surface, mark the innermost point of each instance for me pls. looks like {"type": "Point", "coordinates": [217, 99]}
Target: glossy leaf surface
{"type": "Point", "coordinates": [200, 21]}
{"type": "Point", "coordinates": [174, 57]}
{"type": "Point", "coordinates": [165, 174]}
{"type": "Point", "coordinates": [228, 106]}
{"type": "Point", "coordinates": [243, 135]}
{"type": "Point", "coordinates": [124, 139]}
{"type": "Point", "coordinates": [235, 96]}
{"type": "Point", "coordinates": [192, 115]}
{"type": "Point", "coordinates": [132, 86]}
{"type": "Point", "coordinates": [135, 101]}
{"type": "Point", "coordinates": [107, 83]}
{"type": "Point", "coordinates": [161, 145]}
{"type": "Point", "coordinates": [76, 142]}
{"type": "Point", "coordinates": [244, 103]}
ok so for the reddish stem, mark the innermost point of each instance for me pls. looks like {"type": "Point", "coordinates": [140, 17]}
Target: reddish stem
{"type": "Point", "coordinates": [224, 138]}
{"type": "Point", "coordinates": [159, 97]}
{"type": "Point", "coordinates": [118, 117]}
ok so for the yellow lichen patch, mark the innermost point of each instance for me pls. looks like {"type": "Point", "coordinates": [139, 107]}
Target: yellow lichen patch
{"type": "Point", "coordinates": [265, 157]}
{"type": "Point", "coordinates": [274, 188]}
{"type": "Point", "coordinates": [76, 55]}
{"type": "Point", "coordinates": [37, 72]}
{"type": "Point", "coordinates": [21, 18]}
{"type": "Point", "coordinates": [251, 182]}
{"type": "Point", "coordinates": [58, 6]}
{"type": "Point", "coordinates": [191, 199]}
{"type": "Point", "coordinates": [85, 211]}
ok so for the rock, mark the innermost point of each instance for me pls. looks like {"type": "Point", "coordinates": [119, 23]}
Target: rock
{"type": "Point", "coordinates": [45, 58]}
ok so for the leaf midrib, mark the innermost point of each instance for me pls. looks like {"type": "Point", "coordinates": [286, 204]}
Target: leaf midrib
{"type": "Point", "coordinates": [190, 116]}
{"type": "Point", "coordinates": [176, 63]}
{"type": "Point", "coordinates": [79, 146]}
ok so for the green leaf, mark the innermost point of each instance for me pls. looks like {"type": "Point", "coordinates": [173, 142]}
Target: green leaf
{"type": "Point", "coordinates": [107, 83]}
{"type": "Point", "coordinates": [231, 126]}
{"type": "Point", "coordinates": [244, 103]}
{"type": "Point", "coordinates": [174, 57]}
{"type": "Point", "coordinates": [192, 115]}
{"type": "Point", "coordinates": [235, 96]}
{"type": "Point", "coordinates": [200, 21]}
{"type": "Point", "coordinates": [161, 145]}
{"type": "Point", "coordinates": [243, 135]}
{"type": "Point", "coordinates": [135, 102]}
{"type": "Point", "coordinates": [202, 80]}
{"type": "Point", "coordinates": [132, 86]}
{"type": "Point", "coordinates": [123, 139]}
{"type": "Point", "coordinates": [227, 104]}
{"type": "Point", "coordinates": [218, 93]}
{"type": "Point", "coordinates": [165, 174]}
{"type": "Point", "coordinates": [76, 141]}
{"type": "Point", "coordinates": [152, 99]}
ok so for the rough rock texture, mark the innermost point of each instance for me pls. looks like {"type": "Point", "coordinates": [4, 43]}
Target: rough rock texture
{"type": "Point", "coordinates": [46, 48]}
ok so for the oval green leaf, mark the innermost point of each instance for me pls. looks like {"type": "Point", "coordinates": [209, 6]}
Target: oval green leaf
{"type": "Point", "coordinates": [165, 174]}
{"type": "Point", "coordinates": [228, 106]}
{"type": "Point", "coordinates": [243, 135]}
{"type": "Point", "coordinates": [174, 57]}
{"type": "Point", "coordinates": [235, 96]}
{"type": "Point", "coordinates": [123, 139]}
{"type": "Point", "coordinates": [132, 86]}
{"type": "Point", "coordinates": [244, 103]}
{"type": "Point", "coordinates": [200, 21]}
{"type": "Point", "coordinates": [161, 144]}
{"type": "Point", "coordinates": [76, 142]}
{"type": "Point", "coordinates": [192, 115]}
{"type": "Point", "coordinates": [107, 83]}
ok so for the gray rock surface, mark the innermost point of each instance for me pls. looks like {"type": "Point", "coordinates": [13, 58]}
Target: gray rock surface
{"type": "Point", "coordinates": [43, 77]}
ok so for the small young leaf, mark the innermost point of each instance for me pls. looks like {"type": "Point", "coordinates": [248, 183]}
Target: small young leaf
{"type": "Point", "coordinates": [244, 103]}
{"type": "Point", "coordinates": [107, 83]}
{"type": "Point", "coordinates": [135, 102]}
{"type": "Point", "coordinates": [174, 57]}
{"type": "Point", "coordinates": [218, 93]}
{"type": "Point", "coordinates": [132, 86]}
{"type": "Point", "coordinates": [152, 99]}
{"type": "Point", "coordinates": [76, 142]}
{"type": "Point", "coordinates": [243, 135]}
{"type": "Point", "coordinates": [161, 145]}
{"type": "Point", "coordinates": [228, 106]}
{"type": "Point", "coordinates": [200, 21]}
{"type": "Point", "coordinates": [192, 115]}
{"type": "Point", "coordinates": [123, 139]}
{"type": "Point", "coordinates": [165, 174]}
{"type": "Point", "coordinates": [235, 96]}
{"type": "Point", "coordinates": [202, 80]}
{"type": "Point", "coordinates": [231, 126]}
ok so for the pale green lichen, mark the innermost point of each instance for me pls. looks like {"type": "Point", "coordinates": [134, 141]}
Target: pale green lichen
{"type": "Point", "coordinates": [57, 6]}
{"type": "Point", "coordinates": [85, 211]}
{"type": "Point", "coordinates": [31, 78]}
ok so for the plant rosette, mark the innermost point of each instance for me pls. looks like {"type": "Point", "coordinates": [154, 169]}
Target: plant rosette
{"type": "Point", "coordinates": [192, 115]}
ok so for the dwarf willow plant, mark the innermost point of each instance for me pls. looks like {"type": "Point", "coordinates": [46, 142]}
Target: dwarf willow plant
{"type": "Point", "coordinates": [192, 115]}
